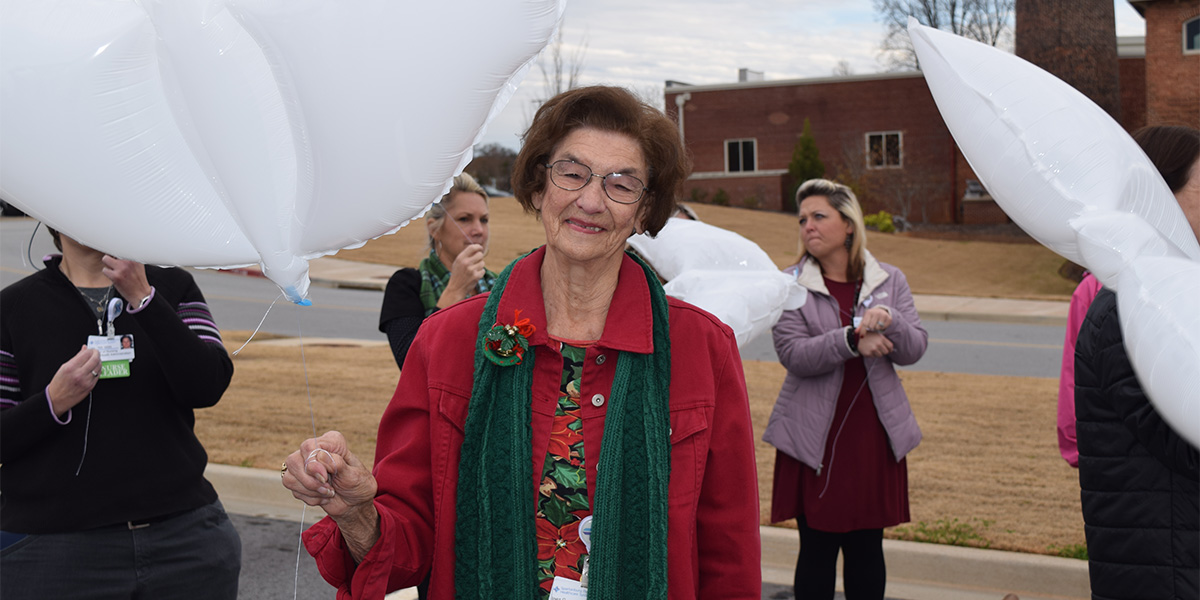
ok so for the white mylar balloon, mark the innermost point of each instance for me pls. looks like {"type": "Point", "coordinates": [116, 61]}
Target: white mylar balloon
{"type": "Point", "coordinates": [1163, 339]}
{"type": "Point", "coordinates": [721, 272]}
{"type": "Point", "coordinates": [1043, 150]}
{"type": "Point", "coordinates": [231, 132]}
{"type": "Point", "coordinates": [1074, 180]}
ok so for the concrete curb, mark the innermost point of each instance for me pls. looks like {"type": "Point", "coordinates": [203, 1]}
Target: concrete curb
{"type": "Point", "coordinates": [916, 571]}
{"type": "Point", "coordinates": [991, 310]}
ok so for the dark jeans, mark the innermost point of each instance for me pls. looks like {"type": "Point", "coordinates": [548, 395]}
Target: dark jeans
{"type": "Point", "coordinates": [864, 574]}
{"type": "Point", "coordinates": [197, 554]}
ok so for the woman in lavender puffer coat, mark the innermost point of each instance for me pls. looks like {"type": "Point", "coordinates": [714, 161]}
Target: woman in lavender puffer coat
{"type": "Point", "coordinates": [842, 424]}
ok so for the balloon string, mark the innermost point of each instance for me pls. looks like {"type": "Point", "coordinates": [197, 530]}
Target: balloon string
{"type": "Point", "coordinates": [260, 324]}
{"type": "Point", "coordinates": [307, 388]}
{"type": "Point", "coordinates": [467, 237]}
{"type": "Point", "coordinates": [845, 417]}
{"type": "Point", "coordinates": [87, 425]}
{"type": "Point", "coordinates": [313, 421]}
{"type": "Point", "coordinates": [299, 547]}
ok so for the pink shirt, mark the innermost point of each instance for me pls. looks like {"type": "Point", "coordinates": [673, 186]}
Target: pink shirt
{"type": "Point", "coordinates": [1080, 301]}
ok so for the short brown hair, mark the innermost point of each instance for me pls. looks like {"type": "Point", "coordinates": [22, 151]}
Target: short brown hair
{"type": "Point", "coordinates": [607, 109]}
{"type": "Point", "coordinates": [1173, 149]}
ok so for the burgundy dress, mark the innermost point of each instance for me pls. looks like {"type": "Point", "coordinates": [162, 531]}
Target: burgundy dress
{"type": "Point", "coordinates": [861, 485]}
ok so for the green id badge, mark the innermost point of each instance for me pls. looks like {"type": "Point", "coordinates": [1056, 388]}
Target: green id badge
{"type": "Point", "coordinates": [114, 369]}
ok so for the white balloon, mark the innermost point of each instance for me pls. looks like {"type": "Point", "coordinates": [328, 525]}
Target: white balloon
{"type": "Point", "coordinates": [1110, 241]}
{"type": "Point", "coordinates": [232, 132]}
{"type": "Point", "coordinates": [721, 272]}
{"type": "Point", "coordinates": [1043, 150]}
{"type": "Point", "coordinates": [1073, 179]}
{"type": "Point", "coordinates": [1157, 304]}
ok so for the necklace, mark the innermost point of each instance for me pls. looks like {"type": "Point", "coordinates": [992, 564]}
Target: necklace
{"type": "Point", "coordinates": [96, 297]}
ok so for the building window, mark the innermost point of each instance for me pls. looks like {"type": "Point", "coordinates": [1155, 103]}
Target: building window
{"type": "Point", "coordinates": [739, 155]}
{"type": "Point", "coordinates": [1191, 36]}
{"type": "Point", "coordinates": [884, 150]}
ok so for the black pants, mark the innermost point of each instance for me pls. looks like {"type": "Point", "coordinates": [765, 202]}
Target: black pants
{"type": "Point", "coordinates": [864, 575]}
{"type": "Point", "coordinates": [197, 554]}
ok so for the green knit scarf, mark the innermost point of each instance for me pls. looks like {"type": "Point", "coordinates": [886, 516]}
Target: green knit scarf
{"type": "Point", "coordinates": [495, 543]}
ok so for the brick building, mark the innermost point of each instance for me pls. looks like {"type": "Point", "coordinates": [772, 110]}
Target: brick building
{"type": "Point", "coordinates": [878, 131]}
{"type": "Point", "coordinates": [883, 134]}
{"type": "Point", "coordinates": [1172, 66]}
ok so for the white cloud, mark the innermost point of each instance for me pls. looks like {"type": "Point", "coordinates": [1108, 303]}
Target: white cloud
{"type": "Point", "coordinates": [642, 43]}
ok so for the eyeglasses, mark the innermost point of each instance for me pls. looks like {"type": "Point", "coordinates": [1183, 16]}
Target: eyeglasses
{"type": "Point", "coordinates": [620, 188]}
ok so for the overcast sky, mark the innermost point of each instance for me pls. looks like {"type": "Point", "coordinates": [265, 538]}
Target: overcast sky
{"type": "Point", "coordinates": [640, 44]}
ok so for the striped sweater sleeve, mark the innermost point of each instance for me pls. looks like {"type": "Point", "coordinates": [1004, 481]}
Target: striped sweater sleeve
{"type": "Point", "coordinates": [10, 382]}
{"type": "Point", "coordinates": [199, 319]}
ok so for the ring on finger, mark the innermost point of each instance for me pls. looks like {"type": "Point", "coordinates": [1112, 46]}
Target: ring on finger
{"type": "Point", "coordinates": [283, 470]}
{"type": "Point", "coordinates": [95, 373]}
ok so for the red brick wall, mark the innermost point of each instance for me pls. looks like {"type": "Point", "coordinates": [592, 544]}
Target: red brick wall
{"type": "Point", "coordinates": [1172, 78]}
{"type": "Point", "coordinates": [1133, 93]}
{"type": "Point", "coordinates": [763, 191]}
{"type": "Point", "coordinates": [841, 112]}
{"type": "Point", "coordinates": [963, 172]}
{"type": "Point", "coordinates": [983, 212]}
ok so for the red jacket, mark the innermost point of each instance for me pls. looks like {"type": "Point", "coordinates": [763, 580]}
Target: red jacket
{"type": "Point", "coordinates": [714, 549]}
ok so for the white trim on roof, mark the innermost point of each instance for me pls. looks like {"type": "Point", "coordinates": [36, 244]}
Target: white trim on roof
{"type": "Point", "coordinates": [680, 88]}
{"type": "Point", "coordinates": [737, 174]}
{"type": "Point", "coordinates": [1131, 46]}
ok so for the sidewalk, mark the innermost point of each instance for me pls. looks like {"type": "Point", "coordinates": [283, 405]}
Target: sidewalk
{"type": "Point", "coordinates": [336, 272]}
{"type": "Point", "coordinates": [915, 571]}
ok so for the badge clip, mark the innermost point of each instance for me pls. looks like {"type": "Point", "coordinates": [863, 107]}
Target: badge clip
{"type": "Point", "coordinates": [115, 307]}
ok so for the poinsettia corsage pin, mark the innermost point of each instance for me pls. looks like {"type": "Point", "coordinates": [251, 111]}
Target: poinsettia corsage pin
{"type": "Point", "coordinates": [505, 344]}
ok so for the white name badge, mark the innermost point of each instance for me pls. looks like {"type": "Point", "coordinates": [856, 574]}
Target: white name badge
{"type": "Point", "coordinates": [567, 589]}
{"type": "Point", "coordinates": [116, 352]}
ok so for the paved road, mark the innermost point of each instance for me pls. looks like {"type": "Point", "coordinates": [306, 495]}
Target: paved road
{"type": "Point", "coordinates": [237, 302]}
{"type": "Point", "coordinates": [970, 347]}
{"type": "Point", "coordinates": [240, 302]}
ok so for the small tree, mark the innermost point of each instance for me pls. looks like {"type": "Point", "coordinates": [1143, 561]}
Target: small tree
{"type": "Point", "coordinates": [850, 168]}
{"type": "Point", "coordinates": [806, 164]}
{"type": "Point", "coordinates": [492, 165]}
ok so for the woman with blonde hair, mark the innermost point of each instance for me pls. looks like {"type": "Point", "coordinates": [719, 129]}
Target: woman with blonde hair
{"type": "Point", "coordinates": [842, 424]}
{"type": "Point", "coordinates": [457, 226]}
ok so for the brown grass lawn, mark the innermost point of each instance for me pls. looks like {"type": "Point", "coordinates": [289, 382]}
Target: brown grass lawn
{"type": "Point", "coordinates": [989, 459]}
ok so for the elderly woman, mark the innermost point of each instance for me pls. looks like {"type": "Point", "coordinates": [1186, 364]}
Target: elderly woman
{"type": "Point", "coordinates": [842, 424]}
{"type": "Point", "coordinates": [458, 237]}
{"type": "Point", "coordinates": [575, 392]}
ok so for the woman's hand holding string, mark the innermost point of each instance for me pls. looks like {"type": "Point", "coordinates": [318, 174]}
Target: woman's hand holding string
{"type": "Point", "coordinates": [325, 473]}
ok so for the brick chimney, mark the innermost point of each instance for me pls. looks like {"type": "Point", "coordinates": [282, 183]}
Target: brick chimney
{"type": "Point", "coordinates": [1076, 41]}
